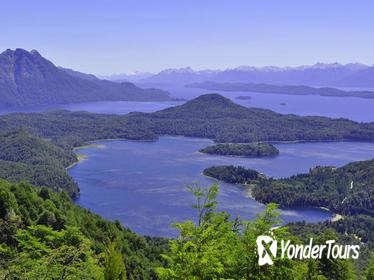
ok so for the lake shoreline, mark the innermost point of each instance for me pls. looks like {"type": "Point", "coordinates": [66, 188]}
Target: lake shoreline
{"type": "Point", "coordinates": [143, 183]}
{"type": "Point", "coordinates": [335, 216]}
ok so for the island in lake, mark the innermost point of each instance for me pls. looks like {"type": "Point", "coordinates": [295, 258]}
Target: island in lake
{"type": "Point", "coordinates": [242, 150]}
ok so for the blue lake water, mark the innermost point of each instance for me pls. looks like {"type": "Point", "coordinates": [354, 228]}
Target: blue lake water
{"type": "Point", "coordinates": [105, 107]}
{"type": "Point", "coordinates": [358, 109]}
{"type": "Point", "coordinates": [142, 183]}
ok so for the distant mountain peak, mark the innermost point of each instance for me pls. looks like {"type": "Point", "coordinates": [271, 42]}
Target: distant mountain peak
{"type": "Point", "coordinates": [28, 79]}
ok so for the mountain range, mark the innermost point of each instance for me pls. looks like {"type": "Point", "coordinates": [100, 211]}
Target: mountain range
{"type": "Point", "coordinates": [320, 74]}
{"type": "Point", "coordinates": [28, 79]}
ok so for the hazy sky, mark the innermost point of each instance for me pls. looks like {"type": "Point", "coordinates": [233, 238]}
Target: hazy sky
{"type": "Point", "coordinates": [104, 37]}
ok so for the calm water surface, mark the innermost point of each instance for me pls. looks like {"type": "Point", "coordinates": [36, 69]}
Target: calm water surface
{"type": "Point", "coordinates": [142, 183]}
{"type": "Point", "coordinates": [358, 109]}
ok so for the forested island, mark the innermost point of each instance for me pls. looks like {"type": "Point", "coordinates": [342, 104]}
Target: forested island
{"type": "Point", "coordinates": [208, 116]}
{"type": "Point", "coordinates": [234, 175]}
{"type": "Point", "coordinates": [282, 89]}
{"type": "Point", "coordinates": [242, 150]}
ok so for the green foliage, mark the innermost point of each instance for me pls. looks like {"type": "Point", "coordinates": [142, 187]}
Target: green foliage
{"type": "Point", "coordinates": [47, 254]}
{"type": "Point", "coordinates": [219, 247]}
{"type": "Point", "coordinates": [114, 268]}
{"type": "Point", "coordinates": [209, 116]}
{"type": "Point", "coordinates": [24, 157]}
{"type": "Point", "coordinates": [347, 190]}
{"type": "Point", "coordinates": [370, 270]}
{"type": "Point", "coordinates": [41, 230]}
{"type": "Point", "coordinates": [20, 146]}
{"type": "Point", "coordinates": [40, 175]}
{"type": "Point", "coordinates": [240, 149]}
{"type": "Point", "coordinates": [233, 175]}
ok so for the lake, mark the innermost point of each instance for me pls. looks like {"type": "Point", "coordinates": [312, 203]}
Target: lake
{"type": "Point", "coordinates": [142, 184]}
{"type": "Point", "coordinates": [357, 109]}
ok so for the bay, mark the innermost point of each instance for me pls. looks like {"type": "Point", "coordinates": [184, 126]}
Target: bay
{"type": "Point", "coordinates": [142, 184]}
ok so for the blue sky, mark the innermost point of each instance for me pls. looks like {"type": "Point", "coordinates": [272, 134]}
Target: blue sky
{"type": "Point", "coordinates": [105, 37]}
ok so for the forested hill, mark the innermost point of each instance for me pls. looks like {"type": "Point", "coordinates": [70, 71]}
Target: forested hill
{"type": "Point", "coordinates": [44, 235]}
{"type": "Point", "coordinates": [209, 116]}
{"type": "Point", "coordinates": [348, 190]}
{"type": "Point", "coordinates": [28, 79]}
{"type": "Point", "coordinates": [20, 146]}
{"type": "Point", "coordinates": [24, 157]}
{"type": "Point", "coordinates": [216, 117]}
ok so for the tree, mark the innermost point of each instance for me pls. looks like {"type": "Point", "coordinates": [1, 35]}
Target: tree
{"type": "Point", "coordinates": [114, 267]}
{"type": "Point", "coordinates": [219, 247]}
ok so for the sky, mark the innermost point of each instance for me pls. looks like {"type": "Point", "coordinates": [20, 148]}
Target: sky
{"type": "Point", "coordinates": [123, 36]}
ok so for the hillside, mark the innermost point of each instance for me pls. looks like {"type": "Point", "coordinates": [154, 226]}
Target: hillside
{"type": "Point", "coordinates": [347, 190]}
{"type": "Point", "coordinates": [208, 116]}
{"type": "Point", "coordinates": [24, 157]}
{"type": "Point", "coordinates": [44, 233]}
{"type": "Point", "coordinates": [28, 79]}
{"type": "Point", "coordinates": [216, 117]}
{"type": "Point", "coordinates": [20, 146]}
{"type": "Point", "coordinates": [80, 75]}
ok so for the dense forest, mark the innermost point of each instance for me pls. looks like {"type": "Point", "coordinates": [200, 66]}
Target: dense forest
{"type": "Point", "coordinates": [222, 247]}
{"type": "Point", "coordinates": [241, 149]}
{"type": "Point", "coordinates": [209, 116]}
{"type": "Point", "coordinates": [20, 146]}
{"type": "Point", "coordinates": [234, 175]}
{"type": "Point", "coordinates": [347, 190]}
{"type": "Point", "coordinates": [24, 157]}
{"type": "Point", "coordinates": [44, 235]}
